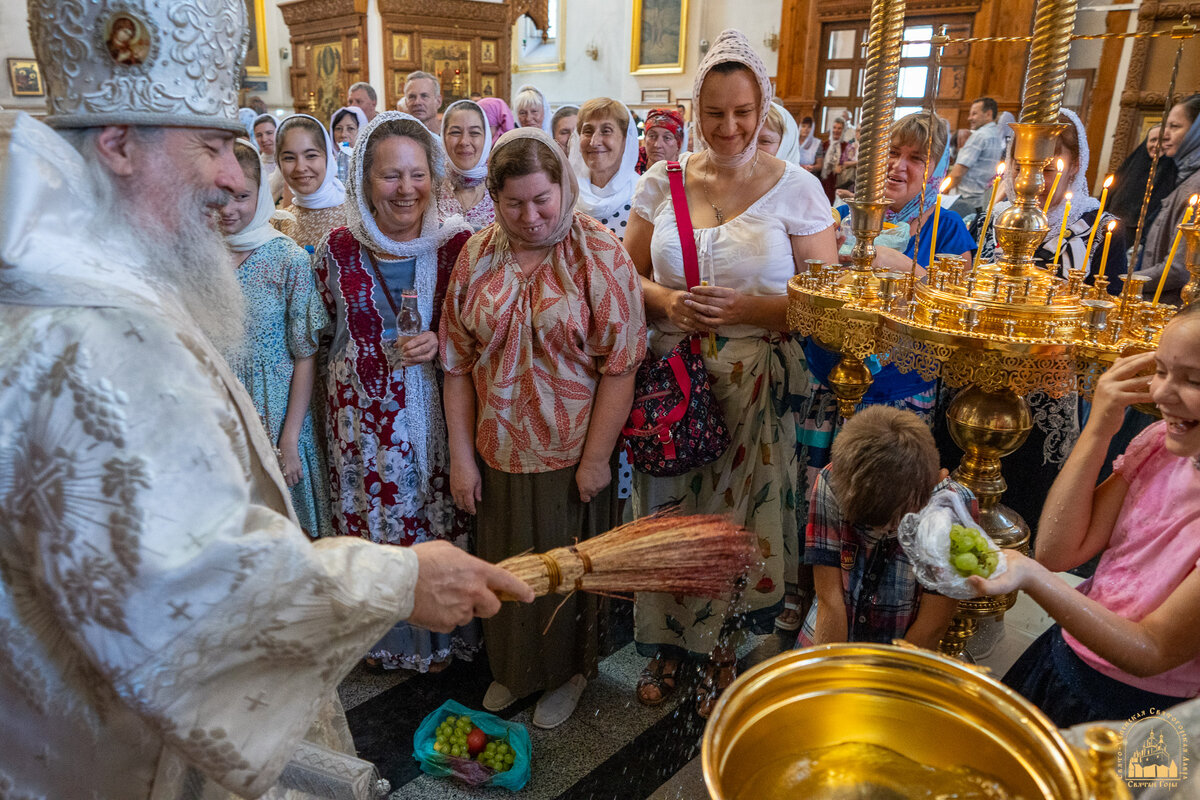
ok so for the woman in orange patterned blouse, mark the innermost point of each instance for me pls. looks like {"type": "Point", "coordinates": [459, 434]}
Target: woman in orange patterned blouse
{"type": "Point", "coordinates": [542, 332]}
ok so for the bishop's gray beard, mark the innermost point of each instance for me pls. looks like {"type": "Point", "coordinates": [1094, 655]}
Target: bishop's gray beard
{"type": "Point", "coordinates": [190, 262]}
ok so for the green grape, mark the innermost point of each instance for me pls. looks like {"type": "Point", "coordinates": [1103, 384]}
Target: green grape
{"type": "Point", "coordinates": [966, 563]}
{"type": "Point", "coordinates": [970, 552]}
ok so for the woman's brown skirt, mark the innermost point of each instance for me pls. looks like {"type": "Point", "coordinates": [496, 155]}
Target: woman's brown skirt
{"type": "Point", "coordinates": [539, 512]}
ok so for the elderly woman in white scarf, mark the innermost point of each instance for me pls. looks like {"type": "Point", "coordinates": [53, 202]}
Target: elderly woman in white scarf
{"type": "Point", "coordinates": [604, 155]}
{"type": "Point", "coordinates": [468, 140]}
{"type": "Point", "coordinates": [755, 219]}
{"type": "Point", "coordinates": [531, 108]}
{"type": "Point", "coordinates": [305, 157]}
{"type": "Point", "coordinates": [284, 319]}
{"type": "Point", "coordinates": [382, 277]}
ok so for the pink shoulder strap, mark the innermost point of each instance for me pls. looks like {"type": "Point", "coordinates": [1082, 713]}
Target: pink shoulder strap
{"type": "Point", "coordinates": [683, 218]}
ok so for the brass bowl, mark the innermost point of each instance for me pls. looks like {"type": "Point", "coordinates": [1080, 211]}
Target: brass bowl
{"type": "Point", "coordinates": [928, 708]}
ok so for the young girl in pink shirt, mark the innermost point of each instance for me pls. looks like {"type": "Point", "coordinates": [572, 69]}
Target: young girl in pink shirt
{"type": "Point", "coordinates": [1128, 639]}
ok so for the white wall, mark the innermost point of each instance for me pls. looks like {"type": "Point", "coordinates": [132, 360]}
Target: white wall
{"type": "Point", "coordinates": [607, 25]}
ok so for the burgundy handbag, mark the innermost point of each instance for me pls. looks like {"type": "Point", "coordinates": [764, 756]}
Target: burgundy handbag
{"type": "Point", "coordinates": [676, 424]}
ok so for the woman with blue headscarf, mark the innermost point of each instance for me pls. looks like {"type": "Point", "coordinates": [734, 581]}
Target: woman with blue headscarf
{"type": "Point", "coordinates": [911, 193]}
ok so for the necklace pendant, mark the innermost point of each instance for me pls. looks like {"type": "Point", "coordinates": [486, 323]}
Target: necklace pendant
{"type": "Point", "coordinates": [720, 216]}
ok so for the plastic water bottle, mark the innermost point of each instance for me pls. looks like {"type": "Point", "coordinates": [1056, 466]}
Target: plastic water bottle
{"type": "Point", "coordinates": [343, 161]}
{"type": "Point", "coordinates": [408, 320]}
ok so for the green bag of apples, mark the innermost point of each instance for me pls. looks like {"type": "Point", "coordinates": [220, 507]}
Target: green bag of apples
{"type": "Point", "coordinates": [473, 746]}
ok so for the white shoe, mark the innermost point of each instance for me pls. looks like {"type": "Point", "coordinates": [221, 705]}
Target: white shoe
{"type": "Point", "coordinates": [498, 697]}
{"type": "Point", "coordinates": [557, 705]}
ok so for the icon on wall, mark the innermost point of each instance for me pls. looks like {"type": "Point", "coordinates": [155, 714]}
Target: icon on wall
{"type": "Point", "coordinates": [25, 78]}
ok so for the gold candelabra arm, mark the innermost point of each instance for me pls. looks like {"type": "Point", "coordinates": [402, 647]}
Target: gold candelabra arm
{"type": "Point", "coordinates": [1191, 233]}
{"type": "Point", "coordinates": [1052, 26]}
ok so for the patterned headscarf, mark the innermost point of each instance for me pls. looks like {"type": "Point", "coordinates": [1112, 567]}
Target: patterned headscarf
{"type": "Point", "coordinates": [732, 45]}
{"type": "Point", "coordinates": [568, 183]}
{"type": "Point", "coordinates": [498, 114]}
{"type": "Point", "coordinates": [671, 120]}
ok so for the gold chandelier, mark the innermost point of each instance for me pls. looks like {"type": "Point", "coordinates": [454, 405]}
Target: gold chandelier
{"type": "Point", "coordinates": [998, 331]}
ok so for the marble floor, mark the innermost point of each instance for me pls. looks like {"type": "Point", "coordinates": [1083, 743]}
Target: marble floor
{"type": "Point", "coordinates": [612, 748]}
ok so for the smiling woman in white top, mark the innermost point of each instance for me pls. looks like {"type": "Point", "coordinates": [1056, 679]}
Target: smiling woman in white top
{"type": "Point", "coordinates": [756, 220]}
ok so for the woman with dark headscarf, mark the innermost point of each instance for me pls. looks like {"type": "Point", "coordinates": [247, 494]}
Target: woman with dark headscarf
{"type": "Point", "coordinates": [1129, 183]}
{"type": "Point", "coordinates": [1180, 141]}
{"type": "Point", "coordinates": [541, 336]}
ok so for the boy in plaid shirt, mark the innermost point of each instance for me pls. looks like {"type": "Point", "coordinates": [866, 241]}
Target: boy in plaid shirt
{"type": "Point", "coordinates": [883, 465]}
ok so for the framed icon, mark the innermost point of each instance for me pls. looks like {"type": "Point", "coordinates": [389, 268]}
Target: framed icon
{"type": "Point", "coordinates": [402, 47]}
{"type": "Point", "coordinates": [25, 78]}
{"type": "Point", "coordinates": [487, 51]}
{"type": "Point", "coordinates": [659, 36]}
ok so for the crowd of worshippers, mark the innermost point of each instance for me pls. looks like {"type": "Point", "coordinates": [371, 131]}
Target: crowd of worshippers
{"type": "Point", "coordinates": [444, 340]}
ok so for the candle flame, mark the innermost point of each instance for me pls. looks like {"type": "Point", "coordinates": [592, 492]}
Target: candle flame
{"type": "Point", "coordinates": [1061, 165]}
{"type": "Point", "coordinates": [1194, 199]}
{"type": "Point", "coordinates": [945, 185]}
{"type": "Point", "coordinates": [1069, 196]}
{"type": "Point", "coordinates": [1108, 181]}
{"type": "Point", "coordinates": [1111, 225]}
{"type": "Point", "coordinates": [1000, 169]}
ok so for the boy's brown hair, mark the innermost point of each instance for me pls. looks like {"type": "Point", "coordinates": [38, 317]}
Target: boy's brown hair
{"type": "Point", "coordinates": [883, 464]}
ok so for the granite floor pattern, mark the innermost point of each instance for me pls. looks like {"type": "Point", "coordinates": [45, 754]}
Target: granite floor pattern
{"type": "Point", "coordinates": [612, 748]}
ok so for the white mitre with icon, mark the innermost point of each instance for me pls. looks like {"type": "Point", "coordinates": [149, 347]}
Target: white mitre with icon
{"type": "Point", "coordinates": [147, 62]}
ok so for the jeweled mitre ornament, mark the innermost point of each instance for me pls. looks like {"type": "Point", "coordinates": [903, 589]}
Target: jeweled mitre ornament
{"type": "Point", "coordinates": [141, 62]}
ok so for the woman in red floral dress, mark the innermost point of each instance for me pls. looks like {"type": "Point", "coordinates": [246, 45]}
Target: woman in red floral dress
{"type": "Point", "coordinates": [384, 423]}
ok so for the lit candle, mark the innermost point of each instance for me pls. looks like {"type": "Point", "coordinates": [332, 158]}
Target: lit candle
{"type": "Point", "coordinates": [1096, 225]}
{"type": "Point", "coordinates": [937, 210]}
{"type": "Point", "coordinates": [1107, 241]}
{"type": "Point", "coordinates": [987, 218]}
{"type": "Point", "coordinates": [1187, 217]}
{"type": "Point", "coordinates": [1062, 232]}
{"type": "Point", "coordinates": [1053, 187]}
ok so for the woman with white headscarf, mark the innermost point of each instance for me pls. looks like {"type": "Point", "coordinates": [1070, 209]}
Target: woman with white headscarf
{"type": "Point", "coordinates": [382, 277]}
{"type": "Point", "coordinates": [345, 125]}
{"type": "Point", "coordinates": [468, 140]}
{"type": "Point", "coordinates": [755, 220]}
{"type": "Point", "coordinates": [304, 155]}
{"type": "Point", "coordinates": [604, 155]}
{"type": "Point", "coordinates": [779, 136]}
{"type": "Point", "coordinates": [541, 337]}
{"type": "Point", "coordinates": [531, 108]}
{"type": "Point", "coordinates": [285, 316]}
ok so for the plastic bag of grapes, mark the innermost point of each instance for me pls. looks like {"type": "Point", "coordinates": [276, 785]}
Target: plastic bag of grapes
{"type": "Point", "coordinates": [445, 738]}
{"type": "Point", "coordinates": [946, 546]}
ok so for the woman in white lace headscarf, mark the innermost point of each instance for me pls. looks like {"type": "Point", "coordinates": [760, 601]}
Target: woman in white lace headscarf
{"type": "Point", "coordinates": [382, 277]}
{"type": "Point", "coordinates": [780, 136]}
{"type": "Point", "coordinates": [755, 219]}
{"type": "Point", "coordinates": [1072, 148]}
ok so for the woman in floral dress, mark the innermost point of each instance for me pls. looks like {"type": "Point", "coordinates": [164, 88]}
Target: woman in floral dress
{"type": "Point", "coordinates": [755, 219]}
{"type": "Point", "coordinates": [384, 423]}
{"type": "Point", "coordinates": [284, 317]}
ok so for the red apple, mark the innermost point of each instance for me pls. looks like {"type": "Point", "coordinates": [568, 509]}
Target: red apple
{"type": "Point", "coordinates": [476, 741]}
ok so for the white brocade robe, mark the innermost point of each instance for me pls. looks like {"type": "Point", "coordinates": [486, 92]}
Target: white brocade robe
{"type": "Point", "coordinates": [166, 630]}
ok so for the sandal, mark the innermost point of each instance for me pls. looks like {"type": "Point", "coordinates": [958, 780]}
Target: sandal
{"type": "Point", "coordinates": [789, 619]}
{"type": "Point", "coordinates": [657, 681]}
{"type": "Point", "coordinates": [715, 677]}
